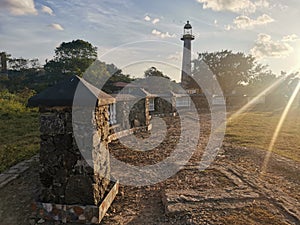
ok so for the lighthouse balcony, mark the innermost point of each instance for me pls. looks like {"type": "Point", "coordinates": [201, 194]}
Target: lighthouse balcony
{"type": "Point", "coordinates": [188, 37]}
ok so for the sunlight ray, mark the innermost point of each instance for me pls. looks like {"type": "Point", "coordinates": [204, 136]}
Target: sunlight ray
{"type": "Point", "coordinates": [278, 128]}
{"type": "Point", "coordinates": [253, 101]}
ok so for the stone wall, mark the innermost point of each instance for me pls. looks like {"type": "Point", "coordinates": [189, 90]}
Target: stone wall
{"type": "Point", "coordinates": [162, 106]}
{"type": "Point", "coordinates": [66, 176]}
{"type": "Point", "coordinates": [128, 111]}
{"type": "Point", "coordinates": [200, 102]}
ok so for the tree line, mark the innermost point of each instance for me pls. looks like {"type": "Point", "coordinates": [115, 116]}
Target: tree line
{"type": "Point", "coordinates": [237, 73]}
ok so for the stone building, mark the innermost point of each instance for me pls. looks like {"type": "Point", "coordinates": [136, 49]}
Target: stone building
{"type": "Point", "coordinates": [74, 157]}
{"type": "Point", "coordinates": [133, 108]}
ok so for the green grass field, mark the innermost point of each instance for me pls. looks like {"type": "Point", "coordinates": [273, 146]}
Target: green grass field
{"type": "Point", "coordinates": [19, 133]}
{"type": "Point", "coordinates": [256, 129]}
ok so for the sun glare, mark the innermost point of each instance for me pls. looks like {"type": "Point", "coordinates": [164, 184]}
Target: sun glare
{"type": "Point", "coordinates": [278, 128]}
{"type": "Point", "coordinates": [254, 100]}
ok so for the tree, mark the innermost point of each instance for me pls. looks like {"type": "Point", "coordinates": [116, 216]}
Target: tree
{"type": "Point", "coordinates": [154, 72]}
{"type": "Point", "coordinates": [104, 76]}
{"type": "Point", "coordinates": [156, 81]}
{"type": "Point", "coordinates": [232, 70]}
{"type": "Point", "coordinates": [97, 74]}
{"type": "Point", "coordinates": [116, 75]}
{"type": "Point", "coordinates": [71, 58]}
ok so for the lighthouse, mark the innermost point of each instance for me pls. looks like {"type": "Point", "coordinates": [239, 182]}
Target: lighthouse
{"type": "Point", "coordinates": [187, 39]}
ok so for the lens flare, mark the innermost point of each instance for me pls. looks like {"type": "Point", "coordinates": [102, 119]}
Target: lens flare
{"type": "Point", "coordinates": [278, 128]}
{"type": "Point", "coordinates": [254, 100]}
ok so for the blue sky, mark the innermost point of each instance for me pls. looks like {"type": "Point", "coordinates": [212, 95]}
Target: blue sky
{"type": "Point", "coordinates": [136, 34]}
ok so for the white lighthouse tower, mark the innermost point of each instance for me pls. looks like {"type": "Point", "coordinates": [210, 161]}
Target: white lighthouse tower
{"type": "Point", "coordinates": [187, 54]}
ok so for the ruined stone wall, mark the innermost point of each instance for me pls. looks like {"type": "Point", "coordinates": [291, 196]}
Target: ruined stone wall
{"type": "Point", "coordinates": [128, 111]}
{"type": "Point", "coordinates": [64, 173]}
{"type": "Point", "coordinates": [140, 111]}
{"type": "Point", "coordinates": [200, 103]}
{"type": "Point", "coordinates": [162, 106]}
{"type": "Point", "coordinates": [122, 109]}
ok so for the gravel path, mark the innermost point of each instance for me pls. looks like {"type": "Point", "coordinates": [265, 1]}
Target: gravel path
{"type": "Point", "coordinates": [231, 191]}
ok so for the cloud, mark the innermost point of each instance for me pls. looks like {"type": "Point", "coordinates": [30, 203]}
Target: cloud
{"type": "Point", "coordinates": [56, 26]}
{"type": "Point", "coordinates": [245, 22]}
{"type": "Point", "coordinates": [265, 47]}
{"type": "Point", "coordinates": [155, 21]}
{"type": "Point", "coordinates": [147, 18]}
{"type": "Point", "coordinates": [262, 4]}
{"type": "Point", "coordinates": [156, 32]}
{"type": "Point", "coordinates": [19, 7]}
{"type": "Point", "coordinates": [177, 56]}
{"type": "Point", "coordinates": [228, 27]}
{"type": "Point", "coordinates": [47, 10]}
{"type": "Point", "coordinates": [236, 6]}
{"type": "Point", "coordinates": [290, 38]}
{"type": "Point", "coordinates": [162, 34]}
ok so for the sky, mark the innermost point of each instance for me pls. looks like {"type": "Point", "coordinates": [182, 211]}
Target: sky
{"type": "Point", "coordinates": [137, 34]}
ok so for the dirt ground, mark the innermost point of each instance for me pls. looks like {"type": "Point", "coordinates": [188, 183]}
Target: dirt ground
{"type": "Point", "coordinates": [231, 191]}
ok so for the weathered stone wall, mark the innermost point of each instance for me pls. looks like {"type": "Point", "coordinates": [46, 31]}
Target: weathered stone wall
{"type": "Point", "coordinates": [140, 112]}
{"type": "Point", "coordinates": [65, 175]}
{"type": "Point", "coordinates": [162, 106]}
{"type": "Point", "coordinates": [122, 108]}
{"type": "Point", "coordinates": [128, 111]}
{"type": "Point", "coordinates": [200, 103]}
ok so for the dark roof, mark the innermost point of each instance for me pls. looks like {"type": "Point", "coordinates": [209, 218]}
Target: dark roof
{"type": "Point", "coordinates": [188, 25]}
{"type": "Point", "coordinates": [63, 94]}
{"type": "Point", "coordinates": [124, 97]}
{"type": "Point", "coordinates": [120, 84]}
{"type": "Point", "coordinates": [179, 94]}
{"type": "Point", "coordinates": [135, 93]}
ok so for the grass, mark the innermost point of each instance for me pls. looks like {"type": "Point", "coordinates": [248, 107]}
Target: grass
{"type": "Point", "coordinates": [19, 133]}
{"type": "Point", "coordinates": [256, 129]}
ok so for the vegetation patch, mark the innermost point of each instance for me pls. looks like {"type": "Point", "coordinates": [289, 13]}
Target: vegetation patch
{"type": "Point", "coordinates": [19, 130]}
{"type": "Point", "coordinates": [256, 129]}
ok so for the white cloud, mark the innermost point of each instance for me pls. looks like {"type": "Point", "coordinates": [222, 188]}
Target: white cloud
{"type": "Point", "coordinates": [19, 7]}
{"type": "Point", "coordinates": [177, 56]}
{"type": "Point", "coordinates": [265, 47]}
{"type": "Point", "coordinates": [56, 26]}
{"type": "Point", "coordinates": [147, 18]}
{"type": "Point", "coordinates": [47, 10]}
{"type": "Point", "coordinates": [290, 38]}
{"type": "Point", "coordinates": [156, 32]}
{"type": "Point", "coordinates": [162, 34]}
{"type": "Point", "coordinates": [245, 22]}
{"type": "Point", "coordinates": [262, 4]}
{"type": "Point", "coordinates": [228, 27]}
{"type": "Point", "coordinates": [155, 21]}
{"type": "Point", "coordinates": [236, 6]}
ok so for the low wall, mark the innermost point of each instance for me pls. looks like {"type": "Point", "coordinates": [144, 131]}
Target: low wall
{"type": "Point", "coordinates": [64, 173]}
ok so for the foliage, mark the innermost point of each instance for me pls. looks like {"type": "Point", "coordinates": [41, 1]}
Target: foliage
{"type": "Point", "coordinates": [22, 73]}
{"type": "Point", "coordinates": [232, 70]}
{"type": "Point", "coordinates": [97, 74]}
{"type": "Point", "coordinates": [116, 75]}
{"type": "Point", "coordinates": [19, 132]}
{"type": "Point", "coordinates": [21, 64]}
{"type": "Point", "coordinates": [155, 81]}
{"type": "Point", "coordinates": [71, 58]}
{"type": "Point", "coordinates": [154, 72]}
{"type": "Point", "coordinates": [15, 102]}
{"type": "Point", "coordinates": [104, 76]}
